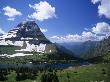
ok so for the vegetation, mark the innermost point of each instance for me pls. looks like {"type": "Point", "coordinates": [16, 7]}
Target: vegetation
{"type": "Point", "coordinates": [97, 70]}
{"type": "Point", "coordinates": [7, 49]}
{"type": "Point", "coordinates": [89, 73]}
{"type": "Point", "coordinates": [24, 74]}
{"type": "Point", "coordinates": [99, 53]}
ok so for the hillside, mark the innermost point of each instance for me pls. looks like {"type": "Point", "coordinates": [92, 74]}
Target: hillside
{"type": "Point", "coordinates": [101, 53]}
{"type": "Point", "coordinates": [81, 49]}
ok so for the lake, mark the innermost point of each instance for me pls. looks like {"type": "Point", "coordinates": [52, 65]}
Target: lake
{"type": "Point", "coordinates": [30, 65]}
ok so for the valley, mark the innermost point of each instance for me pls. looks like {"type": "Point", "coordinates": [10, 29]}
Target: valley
{"type": "Point", "coordinates": [54, 40]}
{"type": "Point", "coordinates": [26, 55]}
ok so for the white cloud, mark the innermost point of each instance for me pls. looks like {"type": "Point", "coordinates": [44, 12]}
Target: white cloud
{"type": "Point", "coordinates": [43, 30]}
{"type": "Point", "coordinates": [11, 12]}
{"type": "Point", "coordinates": [11, 19]}
{"type": "Point", "coordinates": [103, 8]}
{"type": "Point", "coordinates": [88, 36]}
{"type": "Point", "coordinates": [100, 31]}
{"type": "Point", "coordinates": [55, 37]}
{"type": "Point", "coordinates": [43, 10]}
{"type": "Point", "coordinates": [2, 31]}
{"type": "Point", "coordinates": [101, 28]}
{"type": "Point", "coordinates": [95, 1]}
{"type": "Point", "coordinates": [67, 38]}
{"type": "Point", "coordinates": [85, 36]}
{"type": "Point", "coordinates": [86, 29]}
{"type": "Point", "coordinates": [75, 37]}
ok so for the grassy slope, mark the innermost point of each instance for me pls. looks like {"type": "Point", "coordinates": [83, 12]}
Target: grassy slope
{"type": "Point", "coordinates": [96, 72]}
{"type": "Point", "coordinates": [90, 73]}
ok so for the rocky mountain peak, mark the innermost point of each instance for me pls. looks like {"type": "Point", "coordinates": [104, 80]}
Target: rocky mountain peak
{"type": "Point", "coordinates": [27, 30]}
{"type": "Point", "coordinates": [28, 25]}
{"type": "Point", "coordinates": [27, 37]}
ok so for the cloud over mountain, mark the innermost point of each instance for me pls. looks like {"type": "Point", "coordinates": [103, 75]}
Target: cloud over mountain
{"type": "Point", "coordinates": [43, 30]}
{"type": "Point", "coordinates": [2, 31]}
{"type": "Point", "coordinates": [96, 33]}
{"type": "Point", "coordinates": [101, 28]}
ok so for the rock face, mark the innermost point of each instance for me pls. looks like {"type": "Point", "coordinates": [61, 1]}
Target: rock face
{"type": "Point", "coordinates": [26, 37]}
{"type": "Point", "coordinates": [27, 30]}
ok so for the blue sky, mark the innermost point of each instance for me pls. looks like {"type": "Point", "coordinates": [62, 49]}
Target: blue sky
{"type": "Point", "coordinates": [61, 20]}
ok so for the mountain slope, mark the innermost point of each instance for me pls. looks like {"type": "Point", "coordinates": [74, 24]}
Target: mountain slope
{"type": "Point", "coordinates": [73, 47]}
{"type": "Point", "coordinates": [26, 39]}
{"type": "Point", "coordinates": [81, 49]}
{"type": "Point", "coordinates": [101, 52]}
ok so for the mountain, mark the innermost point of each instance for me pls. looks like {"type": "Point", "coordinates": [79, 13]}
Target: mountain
{"type": "Point", "coordinates": [26, 30]}
{"type": "Point", "coordinates": [81, 49]}
{"type": "Point", "coordinates": [26, 39]}
{"type": "Point", "coordinates": [88, 49]}
{"type": "Point", "coordinates": [101, 52]}
{"type": "Point", "coordinates": [74, 47]}
{"type": "Point", "coordinates": [93, 51]}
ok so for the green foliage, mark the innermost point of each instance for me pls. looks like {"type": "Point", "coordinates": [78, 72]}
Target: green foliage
{"type": "Point", "coordinates": [94, 72]}
{"type": "Point", "coordinates": [90, 73]}
{"type": "Point", "coordinates": [3, 75]}
{"type": "Point", "coordinates": [49, 77]}
{"type": "Point", "coordinates": [7, 49]}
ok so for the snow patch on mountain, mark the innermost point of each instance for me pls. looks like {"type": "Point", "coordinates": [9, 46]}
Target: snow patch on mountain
{"type": "Point", "coordinates": [14, 55]}
{"type": "Point", "coordinates": [19, 54]}
{"type": "Point", "coordinates": [31, 47]}
{"type": "Point", "coordinates": [13, 43]}
{"type": "Point", "coordinates": [18, 43]}
{"type": "Point", "coordinates": [28, 38]}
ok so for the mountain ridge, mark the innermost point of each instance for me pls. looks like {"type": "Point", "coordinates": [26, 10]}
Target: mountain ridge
{"type": "Point", "coordinates": [80, 48]}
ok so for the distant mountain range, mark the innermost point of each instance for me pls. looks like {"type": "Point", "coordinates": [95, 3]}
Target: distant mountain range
{"type": "Point", "coordinates": [79, 48]}
{"type": "Point", "coordinates": [91, 50]}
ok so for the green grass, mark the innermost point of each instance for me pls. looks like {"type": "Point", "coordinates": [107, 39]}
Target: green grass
{"type": "Point", "coordinates": [85, 73]}
{"type": "Point", "coordinates": [12, 78]}
{"type": "Point", "coordinates": [8, 49]}
{"type": "Point", "coordinates": [89, 73]}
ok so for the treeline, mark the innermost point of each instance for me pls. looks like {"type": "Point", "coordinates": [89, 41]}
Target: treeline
{"type": "Point", "coordinates": [3, 74]}
{"type": "Point", "coordinates": [24, 73]}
